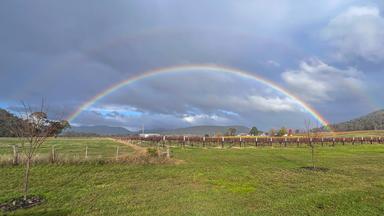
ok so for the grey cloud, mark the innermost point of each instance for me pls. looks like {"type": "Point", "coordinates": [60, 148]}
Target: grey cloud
{"type": "Point", "coordinates": [316, 81]}
{"type": "Point", "coordinates": [357, 32]}
{"type": "Point", "coordinates": [197, 97]}
{"type": "Point", "coordinates": [202, 90]}
{"type": "Point", "coordinates": [69, 51]}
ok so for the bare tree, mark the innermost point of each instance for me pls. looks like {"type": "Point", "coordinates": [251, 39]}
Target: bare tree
{"type": "Point", "coordinates": [32, 128]}
{"type": "Point", "coordinates": [309, 136]}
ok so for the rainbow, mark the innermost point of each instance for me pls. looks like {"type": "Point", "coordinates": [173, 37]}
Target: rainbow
{"type": "Point", "coordinates": [208, 68]}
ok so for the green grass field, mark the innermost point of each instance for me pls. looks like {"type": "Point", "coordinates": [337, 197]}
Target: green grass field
{"type": "Point", "coordinates": [263, 181]}
{"type": "Point", "coordinates": [73, 148]}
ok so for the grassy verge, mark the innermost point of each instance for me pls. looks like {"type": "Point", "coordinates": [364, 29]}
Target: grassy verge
{"type": "Point", "coordinates": [264, 181]}
{"type": "Point", "coordinates": [73, 148]}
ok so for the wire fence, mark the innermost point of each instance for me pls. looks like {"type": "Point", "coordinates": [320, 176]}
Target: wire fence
{"type": "Point", "coordinates": [58, 153]}
{"type": "Point", "coordinates": [13, 152]}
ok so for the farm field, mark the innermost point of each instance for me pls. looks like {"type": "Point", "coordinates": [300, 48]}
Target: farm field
{"type": "Point", "coordinates": [366, 133]}
{"type": "Point", "coordinates": [72, 148]}
{"type": "Point", "coordinates": [248, 181]}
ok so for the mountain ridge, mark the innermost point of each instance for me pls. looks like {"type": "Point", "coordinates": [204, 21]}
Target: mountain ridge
{"type": "Point", "coordinates": [193, 130]}
{"type": "Point", "coordinates": [99, 130]}
{"type": "Point", "coordinates": [202, 130]}
{"type": "Point", "coordinates": [370, 121]}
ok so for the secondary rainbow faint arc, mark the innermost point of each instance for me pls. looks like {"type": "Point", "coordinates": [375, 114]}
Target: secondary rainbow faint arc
{"type": "Point", "coordinates": [210, 68]}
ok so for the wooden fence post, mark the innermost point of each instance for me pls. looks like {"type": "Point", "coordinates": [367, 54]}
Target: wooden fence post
{"type": "Point", "coordinates": [203, 141]}
{"type": "Point", "coordinates": [168, 153]}
{"type": "Point", "coordinates": [15, 155]}
{"type": "Point", "coordinates": [53, 154]}
{"type": "Point", "coordinates": [86, 152]}
{"type": "Point", "coordinates": [222, 142]}
{"type": "Point", "coordinates": [117, 152]}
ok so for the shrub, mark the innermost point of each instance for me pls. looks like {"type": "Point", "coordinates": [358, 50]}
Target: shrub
{"type": "Point", "coordinates": [152, 152]}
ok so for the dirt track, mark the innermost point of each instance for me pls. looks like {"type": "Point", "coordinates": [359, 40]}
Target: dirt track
{"type": "Point", "coordinates": [138, 149]}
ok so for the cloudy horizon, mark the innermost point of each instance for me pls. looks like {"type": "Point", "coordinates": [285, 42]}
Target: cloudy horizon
{"type": "Point", "coordinates": [329, 54]}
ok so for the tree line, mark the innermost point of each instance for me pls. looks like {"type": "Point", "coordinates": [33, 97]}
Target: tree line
{"type": "Point", "coordinates": [256, 132]}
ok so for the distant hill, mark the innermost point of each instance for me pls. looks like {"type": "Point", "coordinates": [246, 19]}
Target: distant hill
{"type": "Point", "coordinates": [196, 130]}
{"type": "Point", "coordinates": [372, 121]}
{"type": "Point", "coordinates": [203, 130]}
{"type": "Point", "coordinates": [100, 130]}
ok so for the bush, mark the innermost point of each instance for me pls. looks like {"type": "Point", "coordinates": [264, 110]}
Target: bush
{"type": "Point", "coordinates": [152, 152]}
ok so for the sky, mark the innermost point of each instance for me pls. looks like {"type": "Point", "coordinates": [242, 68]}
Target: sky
{"type": "Point", "coordinates": [329, 54]}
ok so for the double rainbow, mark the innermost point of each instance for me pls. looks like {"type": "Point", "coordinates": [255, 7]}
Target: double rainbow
{"type": "Point", "coordinates": [202, 67]}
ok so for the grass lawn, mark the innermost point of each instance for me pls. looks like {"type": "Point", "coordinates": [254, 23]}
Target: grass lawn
{"type": "Point", "coordinates": [263, 181]}
{"type": "Point", "coordinates": [73, 147]}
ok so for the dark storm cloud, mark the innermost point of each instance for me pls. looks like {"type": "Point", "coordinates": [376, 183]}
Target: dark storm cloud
{"type": "Point", "coordinates": [69, 51]}
{"type": "Point", "coordinates": [201, 97]}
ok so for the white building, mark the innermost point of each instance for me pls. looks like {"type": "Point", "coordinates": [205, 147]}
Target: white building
{"type": "Point", "coordinates": [146, 135]}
